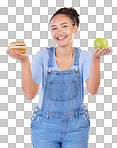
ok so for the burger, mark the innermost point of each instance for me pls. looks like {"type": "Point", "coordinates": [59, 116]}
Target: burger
{"type": "Point", "coordinates": [17, 47]}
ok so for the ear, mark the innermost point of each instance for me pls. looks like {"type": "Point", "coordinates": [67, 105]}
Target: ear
{"type": "Point", "coordinates": [75, 29]}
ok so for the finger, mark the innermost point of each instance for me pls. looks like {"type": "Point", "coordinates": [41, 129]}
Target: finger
{"type": "Point", "coordinates": [18, 53]}
{"type": "Point", "coordinates": [99, 53]}
{"type": "Point", "coordinates": [97, 50]}
{"type": "Point", "coordinates": [12, 54]}
{"type": "Point", "coordinates": [110, 50]}
{"type": "Point", "coordinates": [105, 51]}
{"type": "Point", "coordinates": [7, 51]}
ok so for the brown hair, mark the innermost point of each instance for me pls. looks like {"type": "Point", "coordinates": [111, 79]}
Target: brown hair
{"type": "Point", "coordinates": [71, 13]}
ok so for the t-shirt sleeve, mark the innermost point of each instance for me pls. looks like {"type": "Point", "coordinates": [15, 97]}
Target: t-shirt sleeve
{"type": "Point", "coordinates": [86, 65]}
{"type": "Point", "coordinates": [36, 67]}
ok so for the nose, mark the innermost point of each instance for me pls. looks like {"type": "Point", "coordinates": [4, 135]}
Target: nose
{"type": "Point", "coordinates": [59, 31]}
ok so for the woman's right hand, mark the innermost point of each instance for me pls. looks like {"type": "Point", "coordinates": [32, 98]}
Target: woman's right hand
{"type": "Point", "coordinates": [17, 55]}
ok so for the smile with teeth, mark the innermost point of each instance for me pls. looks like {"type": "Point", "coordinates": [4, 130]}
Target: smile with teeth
{"type": "Point", "coordinates": [62, 38]}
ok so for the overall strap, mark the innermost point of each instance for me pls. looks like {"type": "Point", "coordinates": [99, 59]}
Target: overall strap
{"type": "Point", "coordinates": [76, 58]}
{"type": "Point", "coordinates": [76, 63]}
{"type": "Point", "coordinates": [50, 60]}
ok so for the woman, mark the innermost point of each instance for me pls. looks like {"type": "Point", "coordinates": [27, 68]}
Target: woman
{"type": "Point", "coordinates": [60, 119]}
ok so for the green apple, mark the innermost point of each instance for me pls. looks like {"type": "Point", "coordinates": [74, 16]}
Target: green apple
{"type": "Point", "coordinates": [100, 43]}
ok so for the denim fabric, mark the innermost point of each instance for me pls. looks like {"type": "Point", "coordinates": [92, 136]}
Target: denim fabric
{"type": "Point", "coordinates": [63, 121]}
{"type": "Point", "coordinates": [39, 68]}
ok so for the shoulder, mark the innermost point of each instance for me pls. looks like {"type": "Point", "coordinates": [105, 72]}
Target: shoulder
{"type": "Point", "coordinates": [84, 52]}
{"type": "Point", "coordinates": [42, 55]}
{"type": "Point", "coordinates": [84, 56]}
{"type": "Point", "coordinates": [39, 56]}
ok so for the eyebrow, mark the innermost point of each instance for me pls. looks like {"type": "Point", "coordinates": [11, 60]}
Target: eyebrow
{"type": "Point", "coordinates": [61, 24]}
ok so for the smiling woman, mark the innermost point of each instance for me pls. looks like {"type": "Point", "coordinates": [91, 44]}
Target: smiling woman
{"type": "Point", "coordinates": [62, 100]}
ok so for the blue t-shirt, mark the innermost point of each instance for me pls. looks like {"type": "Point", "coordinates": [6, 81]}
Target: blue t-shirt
{"type": "Point", "coordinates": [39, 69]}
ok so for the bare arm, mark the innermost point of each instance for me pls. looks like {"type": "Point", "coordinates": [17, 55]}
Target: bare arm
{"type": "Point", "coordinates": [93, 81]}
{"type": "Point", "coordinates": [29, 87]}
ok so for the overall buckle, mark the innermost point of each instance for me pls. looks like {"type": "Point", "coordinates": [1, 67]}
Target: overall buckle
{"type": "Point", "coordinates": [76, 113]}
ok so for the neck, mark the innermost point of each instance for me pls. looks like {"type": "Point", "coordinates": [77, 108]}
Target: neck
{"type": "Point", "coordinates": [64, 52]}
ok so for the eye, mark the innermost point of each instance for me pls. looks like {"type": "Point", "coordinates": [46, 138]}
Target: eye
{"type": "Point", "coordinates": [65, 26]}
{"type": "Point", "coordinates": [54, 28]}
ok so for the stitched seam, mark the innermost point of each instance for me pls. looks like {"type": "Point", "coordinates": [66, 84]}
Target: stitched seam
{"type": "Point", "coordinates": [86, 120]}
{"type": "Point", "coordinates": [66, 130]}
{"type": "Point", "coordinates": [35, 123]}
{"type": "Point", "coordinates": [58, 98]}
{"type": "Point", "coordinates": [62, 100]}
{"type": "Point", "coordinates": [45, 89]}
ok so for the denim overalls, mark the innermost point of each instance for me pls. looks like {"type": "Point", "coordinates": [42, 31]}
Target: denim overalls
{"type": "Point", "coordinates": [63, 121]}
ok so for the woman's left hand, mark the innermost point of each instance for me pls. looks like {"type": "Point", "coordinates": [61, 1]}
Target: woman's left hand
{"type": "Point", "coordinates": [100, 52]}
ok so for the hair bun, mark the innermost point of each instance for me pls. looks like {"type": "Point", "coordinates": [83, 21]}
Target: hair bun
{"type": "Point", "coordinates": [71, 12]}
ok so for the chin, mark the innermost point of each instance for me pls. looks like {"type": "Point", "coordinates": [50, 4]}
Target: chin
{"type": "Point", "coordinates": [62, 45]}
{"type": "Point", "coordinates": [65, 45]}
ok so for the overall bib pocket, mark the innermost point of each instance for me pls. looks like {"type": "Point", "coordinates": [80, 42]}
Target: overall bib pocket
{"type": "Point", "coordinates": [62, 90]}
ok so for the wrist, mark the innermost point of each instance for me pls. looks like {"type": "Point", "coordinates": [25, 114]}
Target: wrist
{"type": "Point", "coordinates": [94, 57]}
{"type": "Point", "coordinates": [26, 60]}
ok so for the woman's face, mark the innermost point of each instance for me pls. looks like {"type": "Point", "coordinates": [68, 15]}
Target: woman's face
{"type": "Point", "coordinates": [62, 30]}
